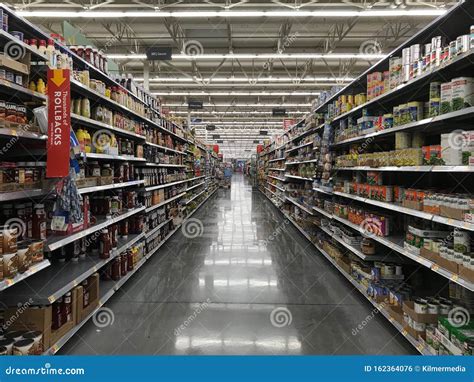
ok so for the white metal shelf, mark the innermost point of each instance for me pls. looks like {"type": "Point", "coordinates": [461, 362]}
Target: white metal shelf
{"type": "Point", "coordinates": [195, 186]}
{"type": "Point", "coordinates": [409, 211]}
{"type": "Point", "coordinates": [57, 241]}
{"type": "Point", "coordinates": [276, 169]}
{"type": "Point", "coordinates": [305, 209]}
{"type": "Point", "coordinates": [277, 178]}
{"type": "Point", "coordinates": [447, 117]}
{"type": "Point", "coordinates": [164, 202]}
{"type": "Point", "coordinates": [410, 168]}
{"type": "Point", "coordinates": [101, 125]}
{"type": "Point", "coordinates": [164, 148]}
{"type": "Point", "coordinates": [302, 162]}
{"type": "Point", "coordinates": [195, 197]}
{"type": "Point", "coordinates": [274, 185]}
{"type": "Point", "coordinates": [35, 268]}
{"type": "Point", "coordinates": [22, 133]}
{"type": "Point", "coordinates": [298, 177]}
{"type": "Point", "coordinates": [276, 160]}
{"type": "Point", "coordinates": [468, 57]}
{"type": "Point", "coordinates": [112, 157]}
{"type": "Point", "coordinates": [86, 190]}
{"type": "Point", "coordinates": [299, 147]}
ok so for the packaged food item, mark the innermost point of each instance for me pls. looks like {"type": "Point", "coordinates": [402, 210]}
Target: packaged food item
{"type": "Point", "coordinates": [446, 97]}
{"type": "Point", "coordinates": [462, 92]}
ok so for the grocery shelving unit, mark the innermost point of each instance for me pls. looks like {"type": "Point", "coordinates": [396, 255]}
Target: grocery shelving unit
{"type": "Point", "coordinates": [456, 22]}
{"type": "Point", "coordinates": [45, 282]}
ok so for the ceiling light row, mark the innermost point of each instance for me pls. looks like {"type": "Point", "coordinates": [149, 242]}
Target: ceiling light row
{"type": "Point", "coordinates": [211, 93]}
{"type": "Point", "coordinates": [426, 12]}
{"type": "Point", "coordinates": [245, 79]}
{"type": "Point", "coordinates": [255, 56]}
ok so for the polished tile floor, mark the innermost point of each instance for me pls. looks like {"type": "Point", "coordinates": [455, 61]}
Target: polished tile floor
{"type": "Point", "coordinates": [232, 290]}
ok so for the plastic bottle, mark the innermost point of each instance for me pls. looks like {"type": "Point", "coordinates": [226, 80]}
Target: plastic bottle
{"type": "Point", "coordinates": [81, 137]}
{"type": "Point", "coordinates": [42, 47]}
{"type": "Point", "coordinates": [87, 141]}
{"type": "Point", "coordinates": [51, 53]}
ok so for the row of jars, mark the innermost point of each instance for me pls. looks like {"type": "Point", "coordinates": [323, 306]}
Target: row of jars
{"type": "Point", "coordinates": [157, 176]}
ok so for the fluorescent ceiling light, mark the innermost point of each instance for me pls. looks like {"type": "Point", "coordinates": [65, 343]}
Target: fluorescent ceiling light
{"type": "Point", "coordinates": [253, 112]}
{"type": "Point", "coordinates": [427, 12]}
{"type": "Point", "coordinates": [241, 123]}
{"type": "Point", "coordinates": [245, 79]}
{"type": "Point", "coordinates": [228, 104]}
{"type": "Point", "coordinates": [255, 56]}
{"type": "Point", "coordinates": [261, 93]}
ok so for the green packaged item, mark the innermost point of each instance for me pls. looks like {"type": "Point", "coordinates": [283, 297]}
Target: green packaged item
{"type": "Point", "coordinates": [446, 97]}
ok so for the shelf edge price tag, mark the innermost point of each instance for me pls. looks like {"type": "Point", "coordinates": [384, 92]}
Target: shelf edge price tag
{"type": "Point", "coordinates": [59, 123]}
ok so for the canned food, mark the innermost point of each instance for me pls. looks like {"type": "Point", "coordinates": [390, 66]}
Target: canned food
{"type": "Point", "coordinates": [421, 306]}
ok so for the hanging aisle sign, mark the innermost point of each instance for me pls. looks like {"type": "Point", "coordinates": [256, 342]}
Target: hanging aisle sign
{"type": "Point", "coordinates": [59, 123]}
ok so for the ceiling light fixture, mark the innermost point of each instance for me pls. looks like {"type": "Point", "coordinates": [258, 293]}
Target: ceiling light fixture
{"type": "Point", "coordinates": [202, 93]}
{"type": "Point", "coordinates": [254, 56]}
{"type": "Point", "coordinates": [230, 104]}
{"type": "Point", "coordinates": [245, 79]}
{"type": "Point", "coordinates": [423, 12]}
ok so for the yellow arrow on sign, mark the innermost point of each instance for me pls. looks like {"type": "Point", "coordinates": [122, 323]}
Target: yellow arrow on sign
{"type": "Point", "coordinates": [58, 77]}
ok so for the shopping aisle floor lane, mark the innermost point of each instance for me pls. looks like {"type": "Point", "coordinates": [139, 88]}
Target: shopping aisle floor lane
{"type": "Point", "coordinates": [232, 290]}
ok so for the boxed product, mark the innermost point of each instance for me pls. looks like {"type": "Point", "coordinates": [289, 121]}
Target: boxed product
{"type": "Point", "coordinates": [446, 97]}
{"type": "Point", "coordinates": [87, 297]}
{"type": "Point", "coordinates": [462, 92]}
{"type": "Point", "coordinates": [432, 155]}
{"type": "Point", "coordinates": [40, 318]}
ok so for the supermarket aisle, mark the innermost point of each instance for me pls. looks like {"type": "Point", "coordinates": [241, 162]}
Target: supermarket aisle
{"type": "Point", "coordinates": [233, 290]}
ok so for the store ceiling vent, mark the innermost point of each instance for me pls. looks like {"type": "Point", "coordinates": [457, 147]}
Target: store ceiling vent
{"type": "Point", "coordinates": [216, 136]}
{"type": "Point", "coordinates": [256, 141]}
{"type": "Point", "coordinates": [220, 141]}
{"type": "Point", "coordinates": [210, 127]}
{"type": "Point", "coordinates": [263, 132]}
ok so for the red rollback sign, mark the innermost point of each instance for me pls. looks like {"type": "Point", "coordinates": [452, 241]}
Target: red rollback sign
{"type": "Point", "coordinates": [287, 123]}
{"type": "Point", "coordinates": [59, 123]}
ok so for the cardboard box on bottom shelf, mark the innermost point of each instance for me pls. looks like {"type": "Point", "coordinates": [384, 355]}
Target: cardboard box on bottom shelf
{"type": "Point", "coordinates": [466, 273]}
{"type": "Point", "coordinates": [93, 288]}
{"type": "Point", "coordinates": [40, 319]}
{"type": "Point", "coordinates": [396, 312]}
{"type": "Point", "coordinates": [409, 308]}
{"type": "Point", "coordinates": [414, 333]}
{"type": "Point", "coordinates": [345, 264]}
{"type": "Point", "coordinates": [436, 258]}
